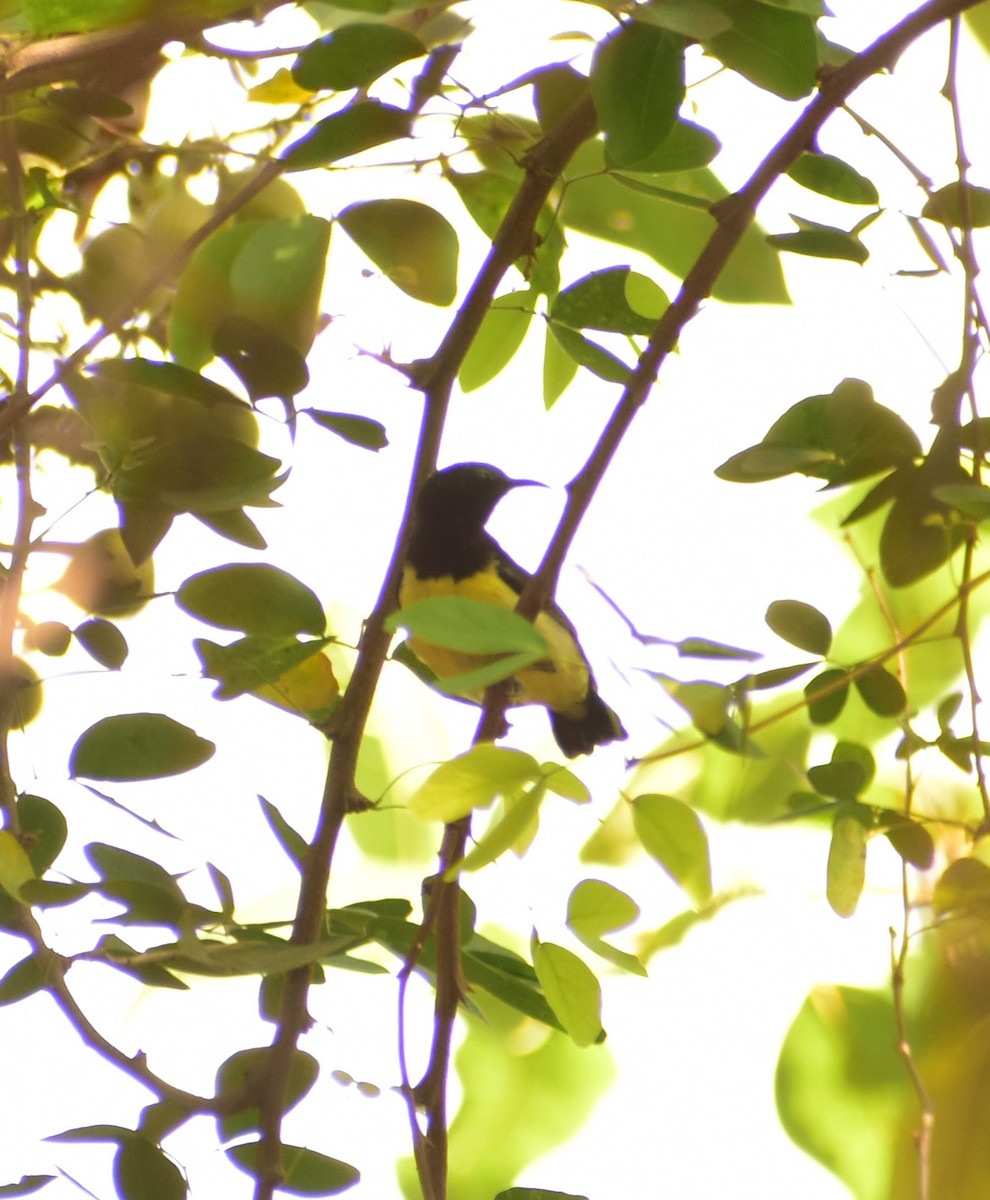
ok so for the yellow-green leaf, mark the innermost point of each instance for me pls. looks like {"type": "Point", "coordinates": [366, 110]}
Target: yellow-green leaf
{"type": "Point", "coordinates": [473, 780]}
{"type": "Point", "coordinates": [572, 991]}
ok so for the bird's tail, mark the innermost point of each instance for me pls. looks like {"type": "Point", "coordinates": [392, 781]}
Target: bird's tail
{"type": "Point", "coordinates": [598, 726]}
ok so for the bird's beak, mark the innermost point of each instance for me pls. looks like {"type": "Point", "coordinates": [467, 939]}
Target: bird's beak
{"type": "Point", "coordinates": [526, 483]}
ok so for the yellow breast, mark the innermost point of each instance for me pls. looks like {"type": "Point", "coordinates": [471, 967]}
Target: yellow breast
{"type": "Point", "coordinates": [560, 682]}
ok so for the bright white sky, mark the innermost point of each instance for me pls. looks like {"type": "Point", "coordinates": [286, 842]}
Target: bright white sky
{"type": "Point", "coordinates": [682, 552]}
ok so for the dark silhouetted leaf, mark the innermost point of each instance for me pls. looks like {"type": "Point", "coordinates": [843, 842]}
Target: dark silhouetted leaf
{"type": "Point", "coordinates": [357, 127]}
{"type": "Point", "coordinates": [959, 204]}
{"type": "Point", "coordinates": [103, 642]}
{"type": "Point", "coordinates": [800, 624]}
{"type": "Point", "coordinates": [359, 431]}
{"type": "Point", "coordinates": [307, 1173]}
{"type": "Point", "coordinates": [882, 692]}
{"type": "Point", "coordinates": [353, 56]}
{"type": "Point", "coordinates": [255, 598]}
{"type": "Point", "coordinates": [826, 695]}
{"type": "Point", "coordinates": [133, 746]}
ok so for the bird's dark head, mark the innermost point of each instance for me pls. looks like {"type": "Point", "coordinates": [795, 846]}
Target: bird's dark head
{"type": "Point", "coordinates": [448, 529]}
{"type": "Point", "coordinates": [464, 494]}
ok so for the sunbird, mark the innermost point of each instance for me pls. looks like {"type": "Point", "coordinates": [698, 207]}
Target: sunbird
{"type": "Point", "coordinates": [450, 554]}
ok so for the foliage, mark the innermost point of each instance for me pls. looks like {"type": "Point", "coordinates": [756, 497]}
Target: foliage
{"type": "Point", "coordinates": [154, 396]}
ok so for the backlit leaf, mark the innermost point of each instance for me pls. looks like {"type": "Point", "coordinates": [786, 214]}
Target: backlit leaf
{"type": "Point", "coordinates": [572, 991]}
{"type": "Point", "coordinates": [831, 176]}
{"type": "Point", "coordinates": [672, 833]}
{"type": "Point", "coordinates": [411, 243]}
{"type": "Point", "coordinates": [846, 871]}
{"type": "Point", "coordinates": [473, 780]}
{"type": "Point", "coordinates": [637, 82]}
{"type": "Point", "coordinates": [772, 48]}
{"type": "Point", "coordinates": [496, 342]}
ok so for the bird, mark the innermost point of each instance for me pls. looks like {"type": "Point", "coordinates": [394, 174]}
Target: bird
{"type": "Point", "coordinates": [450, 553]}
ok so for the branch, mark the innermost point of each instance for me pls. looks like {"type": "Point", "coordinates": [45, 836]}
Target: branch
{"type": "Point", "coordinates": [734, 214]}
{"type": "Point", "coordinates": [435, 378]}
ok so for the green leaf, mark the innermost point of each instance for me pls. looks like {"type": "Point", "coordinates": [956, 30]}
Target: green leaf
{"type": "Point", "coordinates": [960, 205]}
{"type": "Point", "coordinates": [616, 300]}
{"type": "Point", "coordinates": [773, 678]}
{"type": "Point", "coordinates": [167, 379]}
{"type": "Point", "coordinates": [353, 56]}
{"type": "Point", "coordinates": [512, 831]}
{"type": "Point", "coordinates": [831, 176]}
{"type": "Point", "coordinates": [260, 275]}
{"type": "Point", "coordinates": [247, 1067]}
{"type": "Point", "coordinates": [307, 1173]}
{"type": "Point", "coordinates": [671, 233]}
{"type": "Point", "coordinates": [113, 863]}
{"type": "Point", "coordinates": [708, 704]}
{"type": "Point", "coordinates": [501, 334]}
{"type": "Point", "coordinates": [411, 243]}
{"type": "Point", "coordinates": [525, 1193]}
{"type": "Point", "coordinates": [92, 1133]}
{"type": "Point", "coordinates": [839, 780]}
{"type": "Point", "coordinates": [699, 647]}
{"type": "Point", "coordinates": [26, 1186]}
{"type": "Point", "coordinates": [964, 887]}
{"type": "Point", "coordinates": [920, 534]}
{"type": "Point", "coordinates": [774, 49]}
{"type": "Point", "coordinates": [265, 363]}
{"type": "Point", "coordinates": [846, 871]}
{"type": "Point", "coordinates": [559, 369]}
{"type": "Point", "coordinates": [488, 196]}
{"type": "Point", "coordinates": [912, 842]}
{"type": "Point", "coordinates": [820, 241]}
{"type": "Point", "coordinates": [43, 830]}
{"type": "Point", "coordinates": [637, 83]}
{"type": "Point", "coordinates": [23, 979]}
{"type": "Point", "coordinates": [826, 695]}
{"type": "Point", "coordinates": [595, 908]}
{"type": "Point", "coordinates": [252, 597]}
{"type": "Point", "coordinates": [15, 866]}
{"type": "Point", "coordinates": [141, 1171]}
{"type": "Point", "coordinates": [133, 746]}
{"type": "Point", "coordinates": [292, 842]}
{"type": "Point", "coordinates": [293, 675]}
{"type": "Point", "coordinates": [49, 893]}
{"type": "Point", "coordinates": [672, 834]}
{"type": "Point", "coordinates": [103, 642]}
{"type": "Point", "coordinates": [126, 959]}
{"type": "Point", "coordinates": [48, 637]}
{"type": "Point", "coordinates": [359, 431]}
{"type": "Point", "coordinates": [839, 437]}
{"type": "Point", "coordinates": [972, 499]}
{"type": "Point", "coordinates": [356, 128]}
{"type": "Point", "coordinates": [473, 780]}
{"type": "Point", "coordinates": [587, 353]}
{"type": "Point", "coordinates": [572, 991]}
{"type": "Point", "coordinates": [472, 626]}
{"type": "Point", "coordinates": [685, 148]}
{"type": "Point", "coordinates": [881, 691]}
{"type": "Point", "coordinates": [800, 624]}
